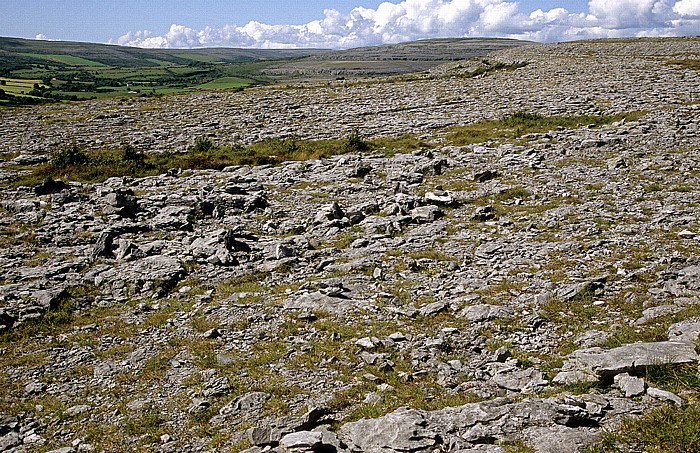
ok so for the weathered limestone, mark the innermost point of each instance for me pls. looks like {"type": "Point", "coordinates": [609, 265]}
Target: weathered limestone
{"type": "Point", "coordinates": [236, 300]}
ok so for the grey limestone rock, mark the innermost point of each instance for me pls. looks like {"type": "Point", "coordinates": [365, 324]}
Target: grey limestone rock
{"type": "Point", "coordinates": [301, 441]}
{"type": "Point", "coordinates": [630, 358]}
{"type": "Point", "coordinates": [655, 312]}
{"type": "Point", "coordinates": [161, 269]}
{"type": "Point", "coordinates": [103, 246]}
{"type": "Point", "coordinates": [485, 312]}
{"type": "Point", "coordinates": [630, 385]}
{"type": "Point", "coordinates": [429, 213]}
{"type": "Point", "coordinates": [484, 214]}
{"type": "Point", "coordinates": [687, 330]}
{"type": "Point", "coordinates": [529, 380]}
{"type": "Point", "coordinates": [559, 439]}
{"type": "Point", "coordinates": [338, 304]}
{"type": "Point", "coordinates": [77, 410]}
{"type": "Point", "coordinates": [121, 202]}
{"type": "Point", "coordinates": [128, 251]}
{"type": "Point", "coordinates": [433, 308]}
{"type": "Point", "coordinates": [401, 430]}
{"type": "Point", "coordinates": [245, 404]}
{"type": "Point", "coordinates": [10, 440]}
{"type": "Point", "coordinates": [173, 218]}
{"type": "Point", "coordinates": [664, 395]}
{"type": "Point", "coordinates": [573, 291]}
{"type": "Point", "coordinates": [440, 198]}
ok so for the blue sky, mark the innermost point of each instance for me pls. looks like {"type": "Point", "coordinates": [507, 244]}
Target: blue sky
{"type": "Point", "coordinates": [339, 23]}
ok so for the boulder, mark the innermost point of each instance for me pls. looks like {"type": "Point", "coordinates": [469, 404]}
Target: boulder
{"type": "Point", "coordinates": [630, 358]}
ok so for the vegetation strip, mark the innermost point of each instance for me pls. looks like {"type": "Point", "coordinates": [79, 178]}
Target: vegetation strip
{"type": "Point", "coordinates": [77, 164]}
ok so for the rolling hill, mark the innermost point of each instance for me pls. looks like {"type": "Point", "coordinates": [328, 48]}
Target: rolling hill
{"type": "Point", "coordinates": [33, 71]}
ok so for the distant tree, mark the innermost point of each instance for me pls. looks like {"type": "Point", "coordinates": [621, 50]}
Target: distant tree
{"type": "Point", "coordinates": [132, 155]}
{"type": "Point", "coordinates": [201, 145]}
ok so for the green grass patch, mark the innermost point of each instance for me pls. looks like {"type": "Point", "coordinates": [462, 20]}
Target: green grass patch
{"type": "Point", "coordinates": [433, 255]}
{"type": "Point", "coordinates": [224, 83]}
{"type": "Point", "coordinates": [402, 144]}
{"type": "Point", "coordinates": [674, 378]}
{"type": "Point", "coordinates": [69, 60]}
{"type": "Point", "coordinates": [148, 424]}
{"type": "Point", "coordinates": [513, 193]}
{"type": "Point", "coordinates": [79, 164]}
{"type": "Point", "coordinates": [202, 58]}
{"type": "Point", "coordinates": [668, 429]}
{"type": "Point", "coordinates": [521, 123]}
{"type": "Point", "coordinates": [18, 87]}
{"type": "Point", "coordinates": [685, 64]}
{"type": "Point", "coordinates": [249, 283]}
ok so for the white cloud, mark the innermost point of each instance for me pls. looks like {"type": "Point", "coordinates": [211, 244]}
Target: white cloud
{"type": "Point", "coordinates": [395, 21]}
{"type": "Point", "coordinates": [626, 14]}
{"type": "Point", "coordinates": [43, 37]}
{"type": "Point", "coordinates": [687, 8]}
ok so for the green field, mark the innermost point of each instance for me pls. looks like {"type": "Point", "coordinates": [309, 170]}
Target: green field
{"type": "Point", "coordinates": [159, 62]}
{"type": "Point", "coordinates": [202, 58]}
{"type": "Point", "coordinates": [52, 71]}
{"type": "Point", "coordinates": [223, 83]}
{"type": "Point", "coordinates": [70, 60]}
{"type": "Point", "coordinates": [72, 79]}
{"type": "Point", "coordinates": [65, 71]}
{"type": "Point", "coordinates": [17, 87]}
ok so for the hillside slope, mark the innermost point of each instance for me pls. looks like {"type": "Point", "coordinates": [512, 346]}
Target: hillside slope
{"type": "Point", "coordinates": [113, 55]}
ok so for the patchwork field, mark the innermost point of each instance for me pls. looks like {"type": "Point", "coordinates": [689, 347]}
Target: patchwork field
{"type": "Point", "coordinates": [79, 71]}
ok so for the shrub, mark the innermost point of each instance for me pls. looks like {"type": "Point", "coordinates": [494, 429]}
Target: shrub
{"type": "Point", "coordinates": [201, 145]}
{"type": "Point", "coordinates": [133, 156]}
{"type": "Point", "coordinates": [354, 143]}
{"type": "Point", "coordinates": [69, 157]}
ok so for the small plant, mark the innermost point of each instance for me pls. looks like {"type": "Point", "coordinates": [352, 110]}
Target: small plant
{"type": "Point", "coordinates": [72, 156]}
{"type": "Point", "coordinates": [147, 424]}
{"type": "Point", "coordinates": [513, 193]}
{"type": "Point", "coordinates": [669, 429]}
{"type": "Point", "coordinates": [201, 145]}
{"type": "Point", "coordinates": [133, 156]}
{"type": "Point", "coordinates": [354, 143]}
{"type": "Point", "coordinates": [674, 378]}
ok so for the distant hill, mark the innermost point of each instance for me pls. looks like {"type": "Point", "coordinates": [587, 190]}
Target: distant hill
{"type": "Point", "coordinates": [441, 49]}
{"type": "Point", "coordinates": [37, 52]}
{"type": "Point", "coordinates": [389, 59]}
{"type": "Point", "coordinates": [33, 71]}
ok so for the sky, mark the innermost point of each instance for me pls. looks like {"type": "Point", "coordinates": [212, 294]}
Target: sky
{"type": "Point", "coordinates": [339, 24]}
